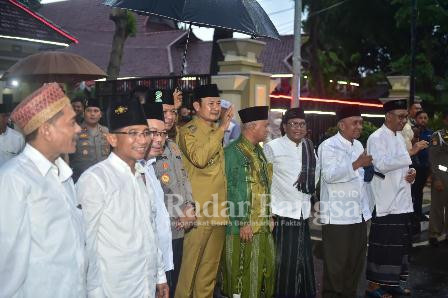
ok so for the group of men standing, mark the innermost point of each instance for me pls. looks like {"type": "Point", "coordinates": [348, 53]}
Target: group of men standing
{"type": "Point", "coordinates": [152, 215]}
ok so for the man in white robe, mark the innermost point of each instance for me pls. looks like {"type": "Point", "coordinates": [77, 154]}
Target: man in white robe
{"type": "Point", "coordinates": [390, 236]}
{"type": "Point", "coordinates": [41, 229]}
{"type": "Point", "coordinates": [124, 255]}
{"type": "Point", "coordinates": [344, 206]}
{"type": "Point", "coordinates": [156, 124]}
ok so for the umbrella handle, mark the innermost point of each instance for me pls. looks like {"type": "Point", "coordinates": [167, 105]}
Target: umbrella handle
{"type": "Point", "coordinates": [184, 59]}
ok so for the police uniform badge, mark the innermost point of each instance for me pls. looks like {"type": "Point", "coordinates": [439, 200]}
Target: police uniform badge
{"type": "Point", "coordinates": [120, 110]}
{"type": "Point", "coordinates": [165, 178]}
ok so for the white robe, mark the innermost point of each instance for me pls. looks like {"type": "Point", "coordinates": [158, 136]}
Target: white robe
{"type": "Point", "coordinates": [391, 158]}
{"type": "Point", "coordinates": [344, 198]}
{"type": "Point", "coordinates": [124, 256]}
{"type": "Point", "coordinates": [41, 230]}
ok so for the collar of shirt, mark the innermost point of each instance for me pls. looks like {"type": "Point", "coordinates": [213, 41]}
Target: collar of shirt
{"type": "Point", "coordinates": [388, 130]}
{"type": "Point", "coordinates": [289, 142]}
{"type": "Point", "coordinates": [149, 162]}
{"type": "Point", "coordinates": [204, 126]}
{"type": "Point", "coordinates": [63, 171]}
{"type": "Point", "coordinates": [121, 165]}
{"type": "Point", "coordinates": [344, 140]}
{"type": "Point", "coordinates": [247, 143]}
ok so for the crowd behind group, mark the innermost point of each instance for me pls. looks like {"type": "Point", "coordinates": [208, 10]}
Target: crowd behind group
{"type": "Point", "coordinates": [147, 207]}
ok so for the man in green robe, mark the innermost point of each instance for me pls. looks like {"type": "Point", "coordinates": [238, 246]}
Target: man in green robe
{"type": "Point", "coordinates": [249, 256]}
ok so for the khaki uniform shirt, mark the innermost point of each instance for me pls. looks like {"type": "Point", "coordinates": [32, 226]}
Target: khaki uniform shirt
{"type": "Point", "coordinates": [203, 157]}
{"type": "Point", "coordinates": [438, 155]}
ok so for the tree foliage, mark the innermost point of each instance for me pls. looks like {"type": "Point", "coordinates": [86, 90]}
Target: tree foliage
{"type": "Point", "coordinates": [367, 40]}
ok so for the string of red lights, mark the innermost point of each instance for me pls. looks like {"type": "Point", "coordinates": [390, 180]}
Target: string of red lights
{"type": "Point", "coordinates": [33, 14]}
{"type": "Point", "coordinates": [327, 100]}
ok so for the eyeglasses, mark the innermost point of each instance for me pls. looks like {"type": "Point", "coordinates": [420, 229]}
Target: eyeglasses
{"type": "Point", "coordinates": [133, 134]}
{"type": "Point", "coordinates": [297, 124]}
{"type": "Point", "coordinates": [156, 133]}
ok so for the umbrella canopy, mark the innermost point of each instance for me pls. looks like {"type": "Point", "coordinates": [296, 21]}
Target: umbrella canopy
{"type": "Point", "coordinates": [244, 16]}
{"type": "Point", "coordinates": [62, 67]}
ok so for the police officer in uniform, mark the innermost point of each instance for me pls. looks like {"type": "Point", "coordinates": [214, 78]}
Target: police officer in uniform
{"type": "Point", "coordinates": [176, 186]}
{"type": "Point", "coordinates": [438, 158]}
{"type": "Point", "coordinates": [92, 145]}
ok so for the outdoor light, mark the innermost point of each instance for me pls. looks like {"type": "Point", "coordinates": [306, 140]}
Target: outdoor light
{"type": "Point", "coordinates": [15, 83]}
{"type": "Point", "coordinates": [287, 75]}
{"type": "Point", "coordinates": [372, 115]}
{"type": "Point", "coordinates": [320, 112]}
{"type": "Point", "coordinates": [342, 83]}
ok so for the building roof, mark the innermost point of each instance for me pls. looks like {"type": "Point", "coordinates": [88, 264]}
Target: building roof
{"type": "Point", "coordinates": [19, 22]}
{"type": "Point", "coordinates": [156, 50]}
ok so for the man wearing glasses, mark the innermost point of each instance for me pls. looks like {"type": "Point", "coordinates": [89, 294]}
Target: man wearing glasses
{"type": "Point", "coordinates": [172, 179]}
{"type": "Point", "coordinates": [124, 255]}
{"type": "Point", "coordinates": [294, 180]}
{"type": "Point", "coordinates": [391, 230]}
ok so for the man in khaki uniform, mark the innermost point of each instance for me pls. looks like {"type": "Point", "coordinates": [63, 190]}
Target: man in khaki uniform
{"type": "Point", "coordinates": [92, 146]}
{"type": "Point", "coordinates": [438, 159]}
{"type": "Point", "coordinates": [200, 141]}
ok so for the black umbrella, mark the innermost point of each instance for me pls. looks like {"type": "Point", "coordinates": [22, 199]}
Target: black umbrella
{"type": "Point", "coordinates": [244, 16]}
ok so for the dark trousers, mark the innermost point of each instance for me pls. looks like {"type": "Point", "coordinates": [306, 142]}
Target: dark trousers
{"type": "Point", "coordinates": [173, 275]}
{"type": "Point", "coordinates": [294, 259]}
{"type": "Point", "coordinates": [344, 249]}
{"type": "Point", "coordinates": [417, 190]}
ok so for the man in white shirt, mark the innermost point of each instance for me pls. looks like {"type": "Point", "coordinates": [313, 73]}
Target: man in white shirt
{"type": "Point", "coordinates": [124, 255]}
{"type": "Point", "coordinates": [344, 206]}
{"type": "Point", "coordinates": [390, 234]}
{"type": "Point", "coordinates": [166, 172]}
{"type": "Point", "coordinates": [41, 229]}
{"type": "Point", "coordinates": [11, 141]}
{"type": "Point", "coordinates": [156, 124]}
{"type": "Point", "coordinates": [294, 178]}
